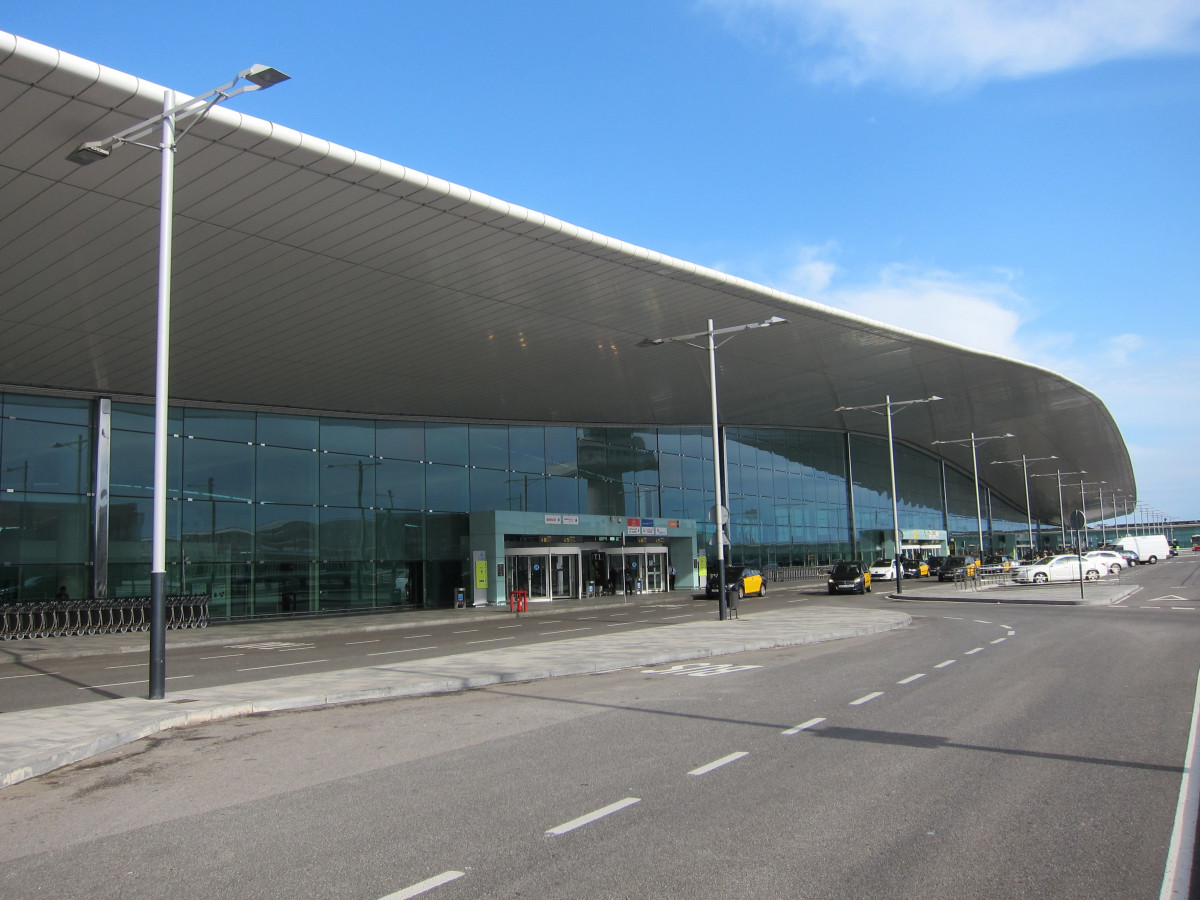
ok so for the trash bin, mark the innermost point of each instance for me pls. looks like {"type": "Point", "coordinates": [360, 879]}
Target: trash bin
{"type": "Point", "coordinates": [591, 589]}
{"type": "Point", "coordinates": [732, 601]}
{"type": "Point", "coordinates": [460, 598]}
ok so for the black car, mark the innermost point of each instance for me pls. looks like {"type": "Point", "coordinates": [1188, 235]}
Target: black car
{"type": "Point", "coordinates": [741, 579]}
{"type": "Point", "coordinates": [954, 565]}
{"type": "Point", "coordinates": [911, 567]}
{"type": "Point", "coordinates": [849, 577]}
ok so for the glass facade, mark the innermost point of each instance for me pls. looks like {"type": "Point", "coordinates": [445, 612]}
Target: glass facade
{"type": "Point", "coordinates": [273, 514]}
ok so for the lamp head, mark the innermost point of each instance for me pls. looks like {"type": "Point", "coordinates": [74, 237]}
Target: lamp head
{"type": "Point", "coordinates": [263, 76]}
{"type": "Point", "coordinates": [88, 153]}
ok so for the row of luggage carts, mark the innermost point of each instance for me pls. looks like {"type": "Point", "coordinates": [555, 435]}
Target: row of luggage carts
{"type": "Point", "coordinates": [111, 615]}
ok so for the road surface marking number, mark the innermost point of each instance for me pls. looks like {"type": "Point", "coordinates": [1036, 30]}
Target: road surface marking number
{"type": "Point", "coordinates": [973, 652]}
{"type": "Point", "coordinates": [717, 763]}
{"type": "Point", "coordinates": [805, 725]}
{"type": "Point", "coordinates": [593, 816]}
{"type": "Point", "coordinates": [270, 645]}
{"type": "Point", "coordinates": [911, 678]}
{"type": "Point", "coordinates": [867, 699]}
{"type": "Point", "coordinates": [699, 670]}
{"type": "Point", "coordinates": [421, 887]}
{"type": "Point", "coordinates": [943, 665]}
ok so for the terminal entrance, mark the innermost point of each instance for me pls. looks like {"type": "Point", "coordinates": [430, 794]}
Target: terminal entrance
{"type": "Point", "coordinates": [572, 572]}
{"type": "Point", "coordinates": [550, 574]}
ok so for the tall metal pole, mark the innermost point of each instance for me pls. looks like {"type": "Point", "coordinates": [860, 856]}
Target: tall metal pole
{"type": "Point", "coordinates": [158, 566]}
{"type": "Point", "coordinates": [895, 503]}
{"type": "Point", "coordinates": [978, 506]}
{"type": "Point", "coordinates": [718, 509]}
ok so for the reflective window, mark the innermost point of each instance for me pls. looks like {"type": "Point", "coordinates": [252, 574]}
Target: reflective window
{"type": "Point", "coordinates": [131, 469]}
{"type": "Point", "coordinates": [561, 450]}
{"type": "Point", "coordinates": [285, 532]}
{"type": "Point", "coordinates": [527, 448]}
{"type": "Point", "coordinates": [218, 470]}
{"type": "Point", "coordinates": [40, 456]}
{"type": "Point", "coordinates": [400, 440]}
{"type": "Point", "coordinates": [488, 446]}
{"type": "Point", "coordinates": [347, 480]}
{"type": "Point", "coordinates": [48, 409]}
{"type": "Point", "coordinates": [446, 443]}
{"type": "Point", "coordinates": [286, 476]}
{"type": "Point", "coordinates": [399, 484]}
{"type": "Point", "coordinates": [140, 417]}
{"type": "Point", "coordinates": [219, 424]}
{"type": "Point", "coordinates": [302, 432]}
{"type": "Point", "coordinates": [348, 436]}
{"type": "Point", "coordinates": [347, 534]}
{"type": "Point", "coordinates": [493, 490]}
{"type": "Point", "coordinates": [447, 488]}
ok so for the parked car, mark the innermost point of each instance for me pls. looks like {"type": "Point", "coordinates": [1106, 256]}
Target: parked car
{"type": "Point", "coordinates": [935, 563]}
{"type": "Point", "coordinates": [741, 579]}
{"type": "Point", "coordinates": [850, 577]}
{"type": "Point", "coordinates": [955, 565]}
{"type": "Point", "coordinates": [914, 568]}
{"type": "Point", "coordinates": [883, 569]}
{"type": "Point", "coordinates": [1110, 559]}
{"type": "Point", "coordinates": [1064, 567]}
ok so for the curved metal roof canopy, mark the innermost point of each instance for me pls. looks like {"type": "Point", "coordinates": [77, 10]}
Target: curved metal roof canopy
{"type": "Point", "coordinates": [310, 276]}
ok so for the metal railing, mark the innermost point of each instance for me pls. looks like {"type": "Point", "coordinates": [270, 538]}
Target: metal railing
{"type": "Point", "coordinates": [112, 615]}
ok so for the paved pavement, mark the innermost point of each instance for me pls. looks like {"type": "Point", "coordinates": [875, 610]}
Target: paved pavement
{"type": "Point", "coordinates": [36, 741]}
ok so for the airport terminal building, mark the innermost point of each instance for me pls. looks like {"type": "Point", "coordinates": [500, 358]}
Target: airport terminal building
{"type": "Point", "coordinates": [387, 389]}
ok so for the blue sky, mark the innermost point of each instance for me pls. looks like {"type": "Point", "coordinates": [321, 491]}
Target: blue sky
{"type": "Point", "coordinates": [1019, 177]}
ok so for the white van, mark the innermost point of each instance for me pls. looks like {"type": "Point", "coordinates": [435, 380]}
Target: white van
{"type": "Point", "coordinates": [1150, 548]}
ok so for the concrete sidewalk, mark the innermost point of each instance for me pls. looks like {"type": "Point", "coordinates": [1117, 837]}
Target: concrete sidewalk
{"type": "Point", "coordinates": [33, 742]}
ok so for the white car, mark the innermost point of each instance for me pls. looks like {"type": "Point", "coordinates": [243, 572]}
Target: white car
{"type": "Point", "coordinates": [883, 570]}
{"type": "Point", "coordinates": [1059, 568]}
{"type": "Point", "coordinates": [1112, 560]}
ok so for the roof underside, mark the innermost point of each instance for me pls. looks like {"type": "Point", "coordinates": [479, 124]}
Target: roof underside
{"type": "Point", "coordinates": [309, 276]}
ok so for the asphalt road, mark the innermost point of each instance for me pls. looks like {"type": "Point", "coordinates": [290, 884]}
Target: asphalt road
{"type": "Point", "coordinates": [986, 751]}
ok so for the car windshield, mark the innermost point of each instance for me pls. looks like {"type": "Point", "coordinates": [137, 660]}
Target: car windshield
{"type": "Point", "coordinates": [954, 561]}
{"type": "Point", "coordinates": [843, 569]}
{"type": "Point", "coordinates": [882, 563]}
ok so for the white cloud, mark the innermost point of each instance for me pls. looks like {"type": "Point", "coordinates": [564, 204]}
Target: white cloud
{"type": "Point", "coordinates": [944, 44]}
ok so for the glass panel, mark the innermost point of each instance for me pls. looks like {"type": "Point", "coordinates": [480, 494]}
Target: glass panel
{"type": "Point", "coordinates": [130, 531]}
{"type": "Point", "coordinates": [348, 436]}
{"type": "Point", "coordinates": [140, 417]}
{"type": "Point", "coordinates": [400, 485]}
{"type": "Point", "coordinates": [285, 532]}
{"type": "Point", "coordinates": [347, 534]}
{"type": "Point", "coordinates": [286, 476]}
{"type": "Point", "coordinates": [131, 468]}
{"type": "Point", "coordinates": [288, 431]}
{"type": "Point", "coordinates": [491, 489]}
{"type": "Point", "coordinates": [347, 480]}
{"type": "Point", "coordinates": [400, 440]}
{"type": "Point", "coordinates": [219, 424]}
{"type": "Point", "coordinates": [217, 532]}
{"type": "Point", "coordinates": [561, 451]}
{"type": "Point", "coordinates": [527, 449]}
{"type": "Point", "coordinates": [562, 496]}
{"type": "Point", "coordinates": [48, 409]}
{"type": "Point", "coordinates": [446, 443]}
{"type": "Point", "coordinates": [218, 470]}
{"type": "Point", "coordinates": [44, 528]}
{"type": "Point", "coordinates": [400, 535]}
{"type": "Point", "coordinates": [346, 585]}
{"type": "Point", "coordinates": [284, 587]}
{"type": "Point", "coordinates": [525, 492]}
{"type": "Point", "coordinates": [489, 446]}
{"type": "Point", "coordinates": [44, 457]}
{"type": "Point", "coordinates": [447, 488]}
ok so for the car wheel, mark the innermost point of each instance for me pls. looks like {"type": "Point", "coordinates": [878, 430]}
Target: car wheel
{"type": "Point", "coordinates": [762, 591]}
{"type": "Point", "coordinates": [1092, 575]}
{"type": "Point", "coordinates": [741, 592]}
{"type": "Point", "coordinates": [868, 588]}
{"type": "Point", "coordinates": [1040, 578]}
{"type": "Point", "coordinates": [1152, 560]}
{"type": "Point", "coordinates": [1114, 569]}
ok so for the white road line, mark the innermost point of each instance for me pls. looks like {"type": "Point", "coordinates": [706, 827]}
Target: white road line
{"type": "Point", "coordinates": [413, 637]}
{"type": "Point", "coordinates": [943, 665]}
{"type": "Point", "coordinates": [405, 650]}
{"type": "Point", "coordinates": [352, 643]}
{"type": "Point", "coordinates": [717, 763]}
{"type": "Point", "coordinates": [953, 617]}
{"type": "Point", "coordinates": [1011, 633]}
{"type": "Point", "coordinates": [421, 887]}
{"type": "Point", "coordinates": [1188, 608]}
{"type": "Point", "coordinates": [1151, 607]}
{"type": "Point", "coordinates": [510, 626]}
{"type": "Point", "coordinates": [911, 678]}
{"type": "Point", "coordinates": [1178, 873]}
{"type": "Point", "coordinates": [124, 683]}
{"type": "Point", "coordinates": [301, 647]}
{"type": "Point", "coordinates": [226, 656]}
{"type": "Point", "coordinates": [569, 630]}
{"type": "Point", "coordinates": [593, 816]}
{"type": "Point", "coordinates": [32, 675]}
{"type": "Point", "coordinates": [805, 725]}
{"type": "Point", "coordinates": [684, 616]}
{"type": "Point", "coordinates": [983, 621]}
{"type": "Point", "coordinates": [867, 699]}
{"type": "Point", "coordinates": [491, 640]}
{"type": "Point", "coordinates": [467, 631]}
{"type": "Point", "coordinates": [998, 641]}
{"type": "Point", "coordinates": [973, 652]}
{"type": "Point", "coordinates": [306, 662]}
{"type": "Point", "coordinates": [130, 666]}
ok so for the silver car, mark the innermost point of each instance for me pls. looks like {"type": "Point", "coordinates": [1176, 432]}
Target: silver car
{"type": "Point", "coordinates": [1059, 568]}
{"type": "Point", "coordinates": [1110, 559]}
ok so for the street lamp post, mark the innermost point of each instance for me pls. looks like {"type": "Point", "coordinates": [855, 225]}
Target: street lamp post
{"type": "Point", "coordinates": [1083, 504]}
{"type": "Point", "coordinates": [257, 77]}
{"type": "Point", "coordinates": [1062, 517]}
{"type": "Point", "coordinates": [720, 513]}
{"type": "Point", "coordinates": [1025, 461]}
{"type": "Point", "coordinates": [975, 442]}
{"type": "Point", "coordinates": [885, 409]}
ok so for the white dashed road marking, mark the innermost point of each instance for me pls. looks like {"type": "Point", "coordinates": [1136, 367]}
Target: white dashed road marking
{"type": "Point", "coordinates": [943, 665]}
{"type": "Point", "coordinates": [421, 887]}
{"type": "Point", "coordinates": [593, 816]}
{"type": "Point", "coordinates": [911, 678]}
{"type": "Point", "coordinates": [717, 763]}
{"type": "Point", "coordinates": [867, 699]}
{"type": "Point", "coordinates": [805, 725]}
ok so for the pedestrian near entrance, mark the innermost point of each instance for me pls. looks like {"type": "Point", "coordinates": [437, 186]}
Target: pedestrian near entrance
{"type": "Point", "coordinates": [671, 577]}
